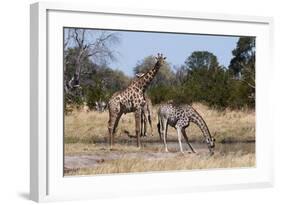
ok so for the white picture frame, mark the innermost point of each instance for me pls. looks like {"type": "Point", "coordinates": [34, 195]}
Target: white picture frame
{"type": "Point", "coordinates": [46, 140]}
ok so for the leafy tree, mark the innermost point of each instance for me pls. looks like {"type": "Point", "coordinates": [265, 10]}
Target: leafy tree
{"type": "Point", "coordinates": [97, 82]}
{"type": "Point", "coordinates": [164, 76]}
{"type": "Point", "coordinates": [102, 83]}
{"type": "Point", "coordinates": [201, 60]}
{"type": "Point", "coordinates": [181, 74]}
{"type": "Point", "coordinates": [206, 81]}
{"type": "Point", "coordinates": [243, 62]}
{"type": "Point", "coordinates": [243, 65]}
{"type": "Point", "coordinates": [161, 87]}
{"type": "Point", "coordinates": [86, 45]}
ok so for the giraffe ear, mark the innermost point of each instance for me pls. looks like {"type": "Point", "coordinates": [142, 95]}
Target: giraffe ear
{"type": "Point", "coordinates": [164, 58]}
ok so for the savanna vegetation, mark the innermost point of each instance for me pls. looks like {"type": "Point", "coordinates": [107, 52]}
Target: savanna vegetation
{"type": "Point", "coordinates": [224, 96]}
{"type": "Point", "coordinates": [86, 149]}
{"type": "Point", "coordinates": [200, 78]}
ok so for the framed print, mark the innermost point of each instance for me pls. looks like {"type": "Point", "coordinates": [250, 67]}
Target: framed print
{"type": "Point", "coordinates": [127, 102]}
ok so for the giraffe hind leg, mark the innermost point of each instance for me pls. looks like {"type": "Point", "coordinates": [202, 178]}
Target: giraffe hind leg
{"type": "Point", "coordinates": [142, 133]}
{"type": "Point", "coordinates": [137, 126]}
{"type": "Point", "coordinates": [159, 130]}
{"type": "Point", "coordinates": [144, 124]}
{"type": "Point", "coordinates": [112, 125]}
{"type": "Point", "coordinates": [150, 124]}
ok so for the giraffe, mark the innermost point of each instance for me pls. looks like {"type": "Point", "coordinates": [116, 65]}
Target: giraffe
{"type": "Point", "coordinates": [146, 113]}
{"type": "Point", "coordinates": [146, 117]}
{"type": "Point", "coordinates": [131, 99]}
{"type": "Point", "coordinates": [179, 117]}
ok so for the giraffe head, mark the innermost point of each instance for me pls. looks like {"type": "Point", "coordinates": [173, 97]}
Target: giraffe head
{"type": "Point", "coordinates": [160, 59]}
{"type": "Point", "coordinates": [211, 143]}
{"type": "Point", "coordinates": [143, 80]}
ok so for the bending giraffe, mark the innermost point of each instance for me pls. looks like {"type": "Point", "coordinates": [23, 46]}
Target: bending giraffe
{"type": "Point", "coordinates": [180, 117]}
{"type": "Point", "coordinates": [131, 99]}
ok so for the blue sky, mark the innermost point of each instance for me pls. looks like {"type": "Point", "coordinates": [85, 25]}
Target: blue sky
{"type": "Point", "coordinates": [135, 46]}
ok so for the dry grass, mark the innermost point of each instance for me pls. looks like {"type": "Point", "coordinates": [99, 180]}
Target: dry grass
{"type": "Point", "coordinates": [85, 134]}
{"type": "Point", "coordinates": [179, 162]}
{"type": "Point", "coordinates": [229, 126]}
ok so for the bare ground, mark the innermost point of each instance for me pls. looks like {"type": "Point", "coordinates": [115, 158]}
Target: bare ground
{"type": "Point", "coordinates": [97, 156]}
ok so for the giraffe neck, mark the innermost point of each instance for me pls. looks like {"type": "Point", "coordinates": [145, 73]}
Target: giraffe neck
{"type": "Point", "coordinates": [198, 120]}
{"type": "Point", "coordinates": [145, 80]}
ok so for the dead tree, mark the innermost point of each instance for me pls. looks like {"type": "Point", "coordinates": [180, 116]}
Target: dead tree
{"type": "Point", "coordinates": [88, 44]}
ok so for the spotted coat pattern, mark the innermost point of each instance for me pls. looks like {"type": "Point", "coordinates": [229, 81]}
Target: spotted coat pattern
{"type": "Point", "coordinates": [179, 117]}
{"type": "Point", "coordinates": [132, 99]}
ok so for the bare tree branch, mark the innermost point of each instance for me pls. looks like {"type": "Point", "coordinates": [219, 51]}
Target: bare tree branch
{"type": "Point", "coordinates": [249, 84]}
{"type": "Point", "coordinates": [97, 49]}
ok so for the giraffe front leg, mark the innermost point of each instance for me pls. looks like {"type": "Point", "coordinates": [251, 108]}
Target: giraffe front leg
{"type": "Point", "coordinates": [179, 138]}
{"type": "Point", "coordinates": [137, 125]}
{"type": "Point", "coordinates": [186, 139]}
{"type": "Point", "coordinates": [165, 129]}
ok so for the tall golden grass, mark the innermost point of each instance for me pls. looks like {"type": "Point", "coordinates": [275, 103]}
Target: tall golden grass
{"type": "Point", "coordinates": [86, 132]}
{"type": "Point", "coordinates": [227, 125]}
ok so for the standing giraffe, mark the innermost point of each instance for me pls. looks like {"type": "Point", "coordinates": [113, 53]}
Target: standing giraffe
{"type": "Point", "coordinates": [146, 113]}
{"type": "Point", "coordinates": [131, 99]}
{"type": "Point", "coordinates": [179, 118]}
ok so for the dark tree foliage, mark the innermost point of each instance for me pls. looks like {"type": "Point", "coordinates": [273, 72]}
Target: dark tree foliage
{"type": "Point", "coordinates": [200, 79]}
{"type": "Point", "coordinates": [206, 81]}
{"type": "Point", "coordinates": [102, 83]}
{"type": "Point", "coordinates": [161, 87]}
{"type": "Point", "coordinates": [244, 54]}
{"type": "Point", "coordinates": [97, 82]}
{"type": "Point", "coordinates": [165, 75]}
{"type": "Point", "coordinates": [201, 60]}
{"type": "Point", "coordinates": [82, 47]}
{"type": "Point", "coordinates": [243, 67]}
